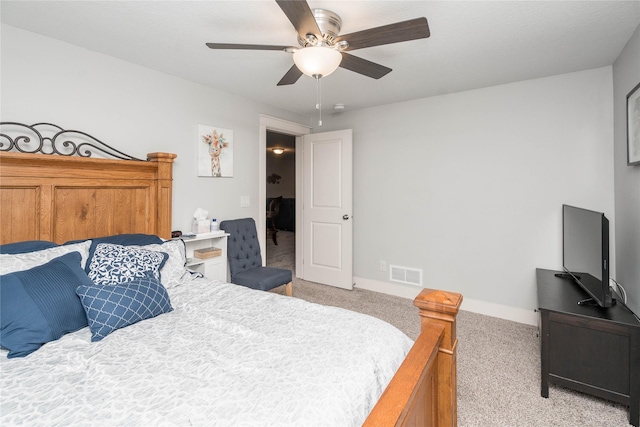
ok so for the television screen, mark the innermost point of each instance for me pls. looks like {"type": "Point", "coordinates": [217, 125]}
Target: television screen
{"type": "Point", "coordinates": [585, 251]}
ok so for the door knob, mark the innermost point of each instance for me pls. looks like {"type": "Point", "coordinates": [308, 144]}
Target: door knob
{"type": "Point", "coordinates": [345, 217]}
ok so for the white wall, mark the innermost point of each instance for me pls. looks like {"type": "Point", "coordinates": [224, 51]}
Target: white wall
{"type": "Point", "coordinates": [626, 75]}
{"type": "Point", "coordinates": [136, 110]}
{"type": "Point", "coordinates": [469, 186]}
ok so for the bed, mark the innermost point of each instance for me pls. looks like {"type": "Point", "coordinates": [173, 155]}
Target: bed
{"type": "Point", "coordinates": [215, 353]}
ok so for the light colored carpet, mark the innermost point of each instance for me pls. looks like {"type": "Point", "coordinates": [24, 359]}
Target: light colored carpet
{"type": "Point", "coordinates": [498, 360]}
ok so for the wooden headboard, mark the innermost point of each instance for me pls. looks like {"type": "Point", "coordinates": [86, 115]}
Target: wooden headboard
{"type": "Point", "coordinates": [61, 198]}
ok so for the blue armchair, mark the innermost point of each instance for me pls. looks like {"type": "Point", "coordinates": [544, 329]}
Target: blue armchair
{"type": "Point", "coordinates": [245, 260]}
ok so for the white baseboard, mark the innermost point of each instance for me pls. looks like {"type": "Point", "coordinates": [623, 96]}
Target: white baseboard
{"type": "Point", "coordinates": [506, 312]}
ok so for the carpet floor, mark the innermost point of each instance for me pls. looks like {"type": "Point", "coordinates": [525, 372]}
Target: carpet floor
{"type": "Point", "coordinates": [498, 360]}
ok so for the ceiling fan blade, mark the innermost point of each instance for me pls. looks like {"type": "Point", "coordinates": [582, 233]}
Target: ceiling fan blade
{"type": "Point", "coordinates": [393, 33]}
{"type": "Point", "coordinates": [364, 67]}
{"type": "Point", "coordinates": [291, 77]}
{"type": "Point", "coordinates": [246, 46]}
{"type": "Point", "coordinates": [301, 16]}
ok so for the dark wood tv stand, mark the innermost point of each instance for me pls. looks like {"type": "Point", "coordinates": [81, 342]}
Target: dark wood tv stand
{"type": "Point", "coordinates": [587, 348]}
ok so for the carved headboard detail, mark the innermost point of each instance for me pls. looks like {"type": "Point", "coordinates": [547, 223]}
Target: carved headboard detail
{"type": "Point", "coordinates": [72, 196]}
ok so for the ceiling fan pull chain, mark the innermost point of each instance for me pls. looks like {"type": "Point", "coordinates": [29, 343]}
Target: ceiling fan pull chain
{"type": "Point", "coordinates": [318, 100]}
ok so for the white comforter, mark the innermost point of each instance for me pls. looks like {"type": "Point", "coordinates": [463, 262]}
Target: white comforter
{"type": "Point", "coordinates": [226, 356]}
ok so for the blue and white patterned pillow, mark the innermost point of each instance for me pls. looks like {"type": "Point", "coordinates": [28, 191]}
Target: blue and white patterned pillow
{"type": "Point", "coordinates": [123, 240]}
{"type": "Point", "coordinates": [112, 264]}
{"type": "Point", "coordinates": [109, 308]}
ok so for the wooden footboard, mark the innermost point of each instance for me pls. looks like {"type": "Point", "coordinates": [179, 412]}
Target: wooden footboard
{"type": "Point", "coordinates": [423, 391]}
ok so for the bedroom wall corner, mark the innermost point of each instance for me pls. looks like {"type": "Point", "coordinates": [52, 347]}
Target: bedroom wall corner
{"type": "Point", "coordinates": [626, 75]}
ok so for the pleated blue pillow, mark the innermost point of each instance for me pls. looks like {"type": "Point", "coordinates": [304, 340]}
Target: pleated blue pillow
{"type": "Point", "coordinates": [109, 308]}
{"type": "Point", "coordinates": [40, 304]}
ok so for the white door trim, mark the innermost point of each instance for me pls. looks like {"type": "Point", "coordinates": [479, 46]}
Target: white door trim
{"type": "Point", "coordinates": [277, 125]}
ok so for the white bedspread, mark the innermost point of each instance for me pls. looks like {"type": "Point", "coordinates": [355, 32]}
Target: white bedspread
{"type": "Point", "coordinates": [226, 356]}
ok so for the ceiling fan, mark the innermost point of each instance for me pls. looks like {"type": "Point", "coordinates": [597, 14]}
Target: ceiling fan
{"type": "Point", "coordinates": [322, 49]}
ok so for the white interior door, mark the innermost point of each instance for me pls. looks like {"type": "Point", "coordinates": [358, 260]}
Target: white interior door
{"type": "Point", "coordinates": [327, 255]}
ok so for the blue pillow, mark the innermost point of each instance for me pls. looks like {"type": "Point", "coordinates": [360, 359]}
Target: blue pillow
{"type": "Point", "coordinates": [113, 264]}
{"type": "Point", "coordinates": [40, 304]}
{"type": "Point", "coordinates": [109, 308]}
{"type": "Point", "coordinates": [26, 246]}
{"type": "Point", "coordinates": [124, 240]}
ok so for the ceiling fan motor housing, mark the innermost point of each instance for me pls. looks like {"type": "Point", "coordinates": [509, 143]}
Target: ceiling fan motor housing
{"type": "Point", "coordinates": [329, 24]}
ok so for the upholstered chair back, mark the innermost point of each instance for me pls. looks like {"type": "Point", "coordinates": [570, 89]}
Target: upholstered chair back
{"type": "Point", "coordinates": [243, 249]}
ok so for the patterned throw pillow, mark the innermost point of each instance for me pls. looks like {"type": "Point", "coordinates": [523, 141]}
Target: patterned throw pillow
{"type": "Point", "coordinates": [112, 264]}
{"type": "Point", "coordinates": [109, 308]}
{"type": "Point", "coordinates": [123, 240]}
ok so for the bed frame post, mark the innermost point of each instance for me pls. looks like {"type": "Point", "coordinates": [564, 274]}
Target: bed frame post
{"type": "Point", "coordinates": [441, 308]}
{"type": "Point", "coordinates": [164, 179]}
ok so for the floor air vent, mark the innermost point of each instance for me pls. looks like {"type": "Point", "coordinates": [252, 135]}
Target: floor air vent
{"type": "Point", "coordinates": [410, 276]}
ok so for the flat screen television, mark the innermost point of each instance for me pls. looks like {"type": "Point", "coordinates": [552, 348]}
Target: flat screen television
{"type": "Point", "coordinates": [585, 252]}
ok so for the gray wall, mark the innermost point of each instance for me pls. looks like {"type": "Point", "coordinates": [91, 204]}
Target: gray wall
{"type": "Point", "coordinates": [137, 110]}
{"type": "Point", "coordinates": [469, 186]}
{"type": "Point", "coordinates": [283, 165]}
{"type": "Point", "coordinates": [626, 75]}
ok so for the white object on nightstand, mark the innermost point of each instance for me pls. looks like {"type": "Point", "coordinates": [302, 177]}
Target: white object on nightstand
{"type": "Point", "coordinates": [213, 268]}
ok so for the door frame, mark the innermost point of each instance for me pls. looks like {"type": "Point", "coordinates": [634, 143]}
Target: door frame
{"type": "Point", "coordinates": [290, 128]}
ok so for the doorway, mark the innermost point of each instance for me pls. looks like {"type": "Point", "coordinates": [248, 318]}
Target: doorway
{"type": "Point", "coordinates": [280, 200]}
{"type": "Point", "coordinates": [327, 241]}
{"type": "Point", "coordinates": [284, 127]}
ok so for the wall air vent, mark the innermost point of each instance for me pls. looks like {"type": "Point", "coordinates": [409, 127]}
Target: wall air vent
{"type": "Point", "coordinates": [410, 276]}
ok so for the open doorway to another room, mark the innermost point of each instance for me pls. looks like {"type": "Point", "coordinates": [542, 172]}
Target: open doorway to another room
{"type": "Point", "coordinates": [281, 201]}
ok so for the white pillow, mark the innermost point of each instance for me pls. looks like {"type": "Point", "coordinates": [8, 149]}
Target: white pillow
{"type": "Point", "coordinates": [174, 270]}
{"type": "Point", "coordinates": [10, 263]}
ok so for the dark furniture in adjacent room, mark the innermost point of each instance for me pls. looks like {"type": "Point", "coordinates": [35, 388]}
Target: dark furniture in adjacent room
{"type": "Point", "coordinates": [273, 212]}
{"type": "Point", "coordinates": [286, 218]}
{"type": "Point", "coordinates": [588, 348]}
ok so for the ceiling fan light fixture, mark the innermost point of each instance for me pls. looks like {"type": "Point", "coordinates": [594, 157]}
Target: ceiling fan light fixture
{"type": "Point", "coordinates": [317, 60]}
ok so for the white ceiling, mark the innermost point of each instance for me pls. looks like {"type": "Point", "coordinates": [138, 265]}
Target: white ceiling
{"type": "Point", "coordinates": [473, 44]}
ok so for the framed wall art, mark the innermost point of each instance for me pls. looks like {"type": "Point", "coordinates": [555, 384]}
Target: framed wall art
{"type": "Point", "coordinates": [215, 151]}
{"type": "Point", "coordinates": [633, 126]}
